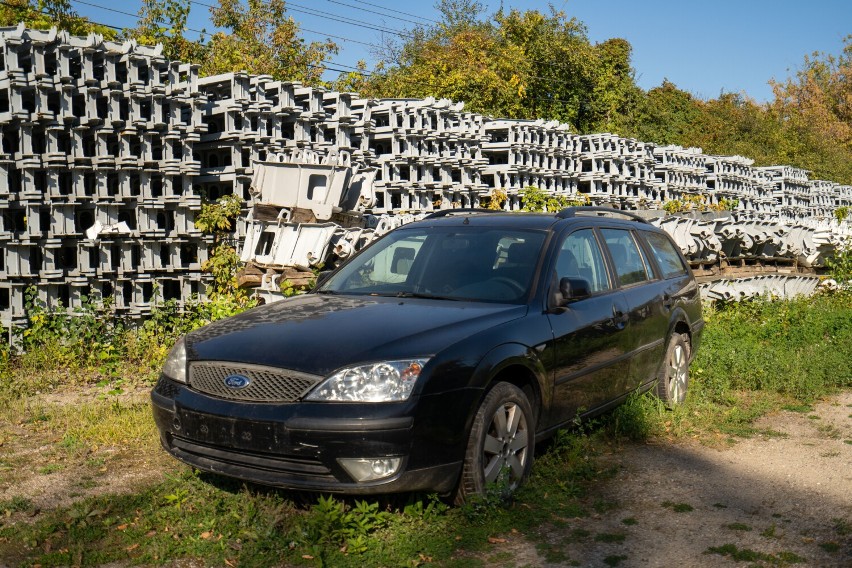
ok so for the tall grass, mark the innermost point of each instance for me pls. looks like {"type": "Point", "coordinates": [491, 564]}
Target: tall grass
{"type": "Point", "coordinates": [801, 348]}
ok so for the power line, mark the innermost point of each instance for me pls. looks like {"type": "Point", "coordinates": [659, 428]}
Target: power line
{"type": "Point", "coordinates": [373, 12]}
{"type": "Point", "coordinates": [397, 11]}
{"type": "Point", "coordinates": [48, 13]}
{"type": "Point", "coordinates": [328, 15]}
{"type": "Point", "coordinates": [204, 32]}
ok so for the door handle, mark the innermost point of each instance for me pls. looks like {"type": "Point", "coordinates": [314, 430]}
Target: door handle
{"type": "Point", "coordinates": [667, 301]}
{"type": "Point", "coordinates": [619, 318]}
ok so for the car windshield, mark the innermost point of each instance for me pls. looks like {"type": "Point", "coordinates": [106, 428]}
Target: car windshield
{"type": "Point", "coordinates": [470, 263]}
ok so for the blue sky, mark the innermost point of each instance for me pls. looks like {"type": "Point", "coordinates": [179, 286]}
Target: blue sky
{"type": "Point", "coordinates": [703, 47]}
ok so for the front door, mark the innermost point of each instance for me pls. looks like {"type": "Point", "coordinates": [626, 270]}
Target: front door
{"type": "Point", "coordinates": [589, 351]}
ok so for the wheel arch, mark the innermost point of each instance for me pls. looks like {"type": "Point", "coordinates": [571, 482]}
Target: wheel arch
{"type": "Point", "coordinates": [518, 365]}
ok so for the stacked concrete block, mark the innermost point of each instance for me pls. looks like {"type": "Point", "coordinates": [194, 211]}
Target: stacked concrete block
{"type": "Point", "coordinates": [680, 172]}
{"type": "Point", "coordinates": [734, 180]}
{"type": "Point", "coordinates": [96, 173]}
{"type": "Point", "coordinates": [776, 286]}
{"type": "Point", "coordinates": [791, 190]}
{"type": "Point", "coordinates": [743, 238]}
{"type": "Point", "coordinates": [842, 196]}
{"type": "Point", "coordinates": [616, 171]}
{"type": "Point", "coordinates": [524, 153]}
{"type": "Point", "coordinates": [822, 197]}
{"type": "Point", "coordinates": [107, 151]}
{"type": "Point", "coordinates": [427, 153]}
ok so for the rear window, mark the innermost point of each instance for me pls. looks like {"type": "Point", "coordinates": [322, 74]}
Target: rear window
{"type": "Point", "coordinates": [671, 263]}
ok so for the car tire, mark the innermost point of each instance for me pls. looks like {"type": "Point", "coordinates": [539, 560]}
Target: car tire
{"type": "Point", "coordinates": [674, 378]}
{"type": "Point", "coordinates": [500, 446]}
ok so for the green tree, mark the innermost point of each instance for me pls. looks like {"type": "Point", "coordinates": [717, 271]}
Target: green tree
{"type": "Point", "coordinates": [664, 115]}
{"type": "Point", "coordinates": [164, 22]}
{"type": "Point", "coordinates": [516, 64]}
{"type": "Point", "coordinates": [815, 106]}
{"type": "Point", "coordinates": [45, 14]}
{"type": "Point", "coordinates": [260, 38]}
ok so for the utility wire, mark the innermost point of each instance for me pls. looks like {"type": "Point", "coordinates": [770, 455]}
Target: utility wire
{"type": "Point", "coordinates": [396, 11]}
{"type": "Point", "coordinates": [374, 12]}
{"type": "Point", "coordinates": [352, 67]}
{"type": "Point", "coordinates": [48, 13]}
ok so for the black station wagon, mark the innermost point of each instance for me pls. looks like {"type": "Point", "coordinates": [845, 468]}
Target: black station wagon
{"type": "Point", "coordinates": [438, 356]}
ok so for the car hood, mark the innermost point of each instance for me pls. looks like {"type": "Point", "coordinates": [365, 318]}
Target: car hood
{"type": "Point", "coordinates": [318, 334]}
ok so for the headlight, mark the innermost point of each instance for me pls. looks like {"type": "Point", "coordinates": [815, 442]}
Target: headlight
{"type": "Point", "coordinates": [386, 381]}
{"type": "Point", "coordinates": [175, 365]}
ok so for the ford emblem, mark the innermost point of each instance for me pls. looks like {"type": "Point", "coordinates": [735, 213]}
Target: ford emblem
{"type": "Point", "coordinates": [237, 381]}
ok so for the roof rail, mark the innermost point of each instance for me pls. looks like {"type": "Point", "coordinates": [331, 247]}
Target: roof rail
{"type": "Point", "coordinates": [569, 212]}
{"type": "Point", "coordinates": [461, 211]}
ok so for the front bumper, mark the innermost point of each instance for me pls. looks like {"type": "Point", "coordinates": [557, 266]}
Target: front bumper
{"type": "Point", "coordinates": [297, 445]}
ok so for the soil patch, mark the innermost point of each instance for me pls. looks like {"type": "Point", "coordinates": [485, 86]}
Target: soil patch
{"type": "Point", "coordinates": [778, 499]}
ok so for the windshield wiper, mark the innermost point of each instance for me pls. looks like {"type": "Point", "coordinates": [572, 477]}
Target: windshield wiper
{"type": "Point", "coordinates": [425, 296]}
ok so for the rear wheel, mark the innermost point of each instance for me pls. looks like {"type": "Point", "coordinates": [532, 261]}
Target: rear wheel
{"type": "Point", "coordinates": [672, 385]}
{"type": "Point", "coordinates": [500, 448]}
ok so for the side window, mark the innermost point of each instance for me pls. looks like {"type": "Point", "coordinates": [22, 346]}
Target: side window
{"type": "Point", "coordinates": [667, 256]}
{"type": "Point", "coordinates": [630, 264]}
{"type": "Point", "coordinates": [581, 257]}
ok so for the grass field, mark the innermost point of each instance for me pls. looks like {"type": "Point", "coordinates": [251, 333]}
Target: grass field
{"type": "Point", "coordinates": [83, 435]}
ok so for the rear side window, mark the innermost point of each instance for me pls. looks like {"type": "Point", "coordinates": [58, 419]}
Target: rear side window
{"type": "Point", "coordinates": [630, 265]}
{"type": "Point", "coordinates": [667, 256]}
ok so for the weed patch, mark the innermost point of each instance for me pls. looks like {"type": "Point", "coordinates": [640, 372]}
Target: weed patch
{"type": "Point", "coordinates": [678, 507]}
{"type": "Point", "coordinates": [748, 555]}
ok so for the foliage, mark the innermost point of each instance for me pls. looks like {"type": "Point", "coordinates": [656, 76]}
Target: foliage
{"type": "Point", "coordinates": [698, 202]}
{"type": "Point", "coordinates": [90, 337]}
{"type": "Point", "coordinates": [45, 14]}
{"type": "Point", "coordinates": [258, 37]}
{"type": "Point", "coordinates": [504, 65]}
{"type": "Point", "coordinates": [333, 522]}
{"type": "Point", "coordinates": [217, 218]}
{"type": "Point", "coordinates": [495, 200]}
{"type": "Point", "coordinates": [798, 348]}
{"type": "Point", "coordinates": [839, 263]}
{"type": "Point", "coordinates": [164, 21]}
{"type": "Point", "coordinates": [841, 213]}
{"type": "Point", "coordinates": [664, 115]}
{"type": "Point", "coordinates": [537, 199]}
{"type": "Point", "coordinates": [816, 108]}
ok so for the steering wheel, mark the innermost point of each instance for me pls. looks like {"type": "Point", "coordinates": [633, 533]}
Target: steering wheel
{"type": "Point", "coordinates": [510, 283]}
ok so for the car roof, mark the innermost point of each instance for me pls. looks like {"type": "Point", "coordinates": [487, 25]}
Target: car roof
{"type": "Point", "coordinates": [574, 216]}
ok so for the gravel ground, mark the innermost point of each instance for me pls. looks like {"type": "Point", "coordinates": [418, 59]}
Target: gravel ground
{"type": "Point", "coordinates": [780, 500]}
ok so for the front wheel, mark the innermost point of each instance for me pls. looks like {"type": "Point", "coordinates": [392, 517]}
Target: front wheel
{"type": "Point", "coordinates": [674, 381]}
{"type": "Point", "coordinates": [500, 448]}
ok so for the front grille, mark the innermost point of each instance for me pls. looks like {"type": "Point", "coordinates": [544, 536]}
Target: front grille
{"type": "Point", "coordinates": [266, 384]}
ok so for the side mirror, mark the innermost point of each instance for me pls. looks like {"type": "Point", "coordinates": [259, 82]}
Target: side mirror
{"type": "Point", "coordinates": [573, 289]}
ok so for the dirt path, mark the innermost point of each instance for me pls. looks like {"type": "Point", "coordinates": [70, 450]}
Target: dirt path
{"type": "Point", "coordinates": [767, 501]}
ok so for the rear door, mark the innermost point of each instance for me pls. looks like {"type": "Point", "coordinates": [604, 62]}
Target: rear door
{"type": "Point", "coordinates": [642, 291]}
{"type": "Point", "coordinates": [672, 291]}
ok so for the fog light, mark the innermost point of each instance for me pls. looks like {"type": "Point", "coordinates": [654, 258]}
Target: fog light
{"type": "Point", "coordinates": [364, 469]}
